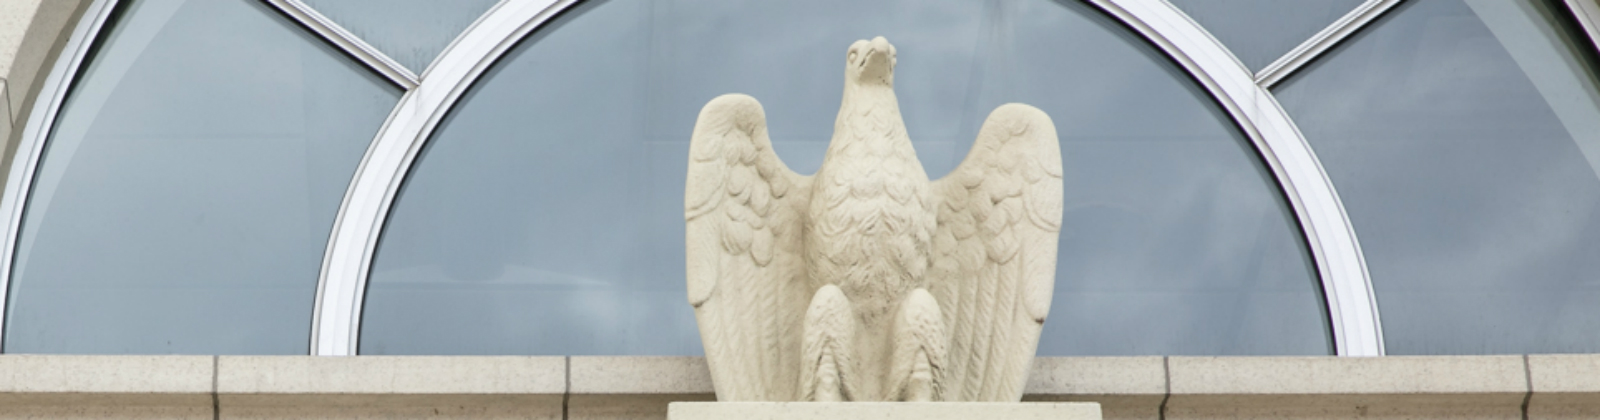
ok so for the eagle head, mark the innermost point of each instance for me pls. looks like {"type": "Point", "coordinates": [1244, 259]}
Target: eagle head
{"type": "Point", "coordinates": [870, 63]}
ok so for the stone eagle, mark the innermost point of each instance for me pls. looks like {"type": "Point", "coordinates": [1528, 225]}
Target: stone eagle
{"type": "Point", "coordinates": [867, 281]}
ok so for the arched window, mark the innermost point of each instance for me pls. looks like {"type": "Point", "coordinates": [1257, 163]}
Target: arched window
{"type": "Point", "coordinates": [545, 214]}
{"type": "Point", "coordinates": [185, 195]}
{"type": "Point", "coordinates": [1464, 140]}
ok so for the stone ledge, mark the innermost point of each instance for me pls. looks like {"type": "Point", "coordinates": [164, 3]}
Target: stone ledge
{"type": "Point", "coordinates": [1125, 387]}
{"type": "Point", "coordinates": [1564, 386]}
{"type": "Point", "coordinates": [1367, 381]}
{"type": "Point", "coordinates": [109, 376]}
{"type": "Point", "coordinates": [640, 375]}
{"type": "Point", "coordinates": [391, 375]}
{"type": "Point", "coordinates": [641, 387]}
{"type": "Point", "coordinates": [390, 387]}
{"type": "Point", "coordinates": [1327, 387]}
{"type": "Point", "coordinates": [635, 387]}
{"type": "Point", "coordinates": [1391, 375]}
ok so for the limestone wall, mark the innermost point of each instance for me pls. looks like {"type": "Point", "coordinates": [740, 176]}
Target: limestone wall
{"type": "Point", "coordinates": [32, 33]}
{"type": "Point", "coordinates": [15, 15]}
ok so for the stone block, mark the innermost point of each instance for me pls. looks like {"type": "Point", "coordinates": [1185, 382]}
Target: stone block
{"type": "Point", "coordinates": [130, 375]}
{"type": "Point", "coordinates": [52, 386]}
{"type": "Point", "coordinates": [1125, 387]}
{"type": "Point", "coordinates": [635, 387]}
{"type": "Point", "coordinates": [882, 411]}
{"type": "Point", "coordinates": [108, 411]}
{"type": "Point", "coordinates": [1344, 387]}
{"type": "Point", "coordinates": [392, 406]}
{"type": "Point", "coordinates": [1565, 386]}
{"type": "Point", "coordinates": [413, 375]}
{"type": "Point", "coordinates": [640, 375]}
{"type": "Point", "coordinates": [263, 387]}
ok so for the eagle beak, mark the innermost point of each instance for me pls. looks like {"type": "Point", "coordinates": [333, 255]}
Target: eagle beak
{"type": "Point", "coordinates": [879, 63]}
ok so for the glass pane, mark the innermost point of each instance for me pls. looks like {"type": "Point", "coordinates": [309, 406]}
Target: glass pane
{"type": "Point", "coordinates": [412, 32]}
{"type": "Point", "coordinates": [546, 215]}
{"type": "Point", "coordinates": [1463, 137]}
{"type": "Point", "coordinates": [186, 195]}
{"type": "Point", "coordinates": [1260, 31]}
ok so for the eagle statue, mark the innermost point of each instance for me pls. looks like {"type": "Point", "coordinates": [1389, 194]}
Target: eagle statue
{"type": "Point", "coordinates": [867, 281]}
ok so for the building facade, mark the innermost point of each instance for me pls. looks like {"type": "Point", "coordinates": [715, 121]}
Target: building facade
{"type": "Point", "coordinates": [1292, 185]}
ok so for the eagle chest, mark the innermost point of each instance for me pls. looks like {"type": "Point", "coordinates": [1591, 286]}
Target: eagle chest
{"type": "Point", "coordinates": [869, 234]}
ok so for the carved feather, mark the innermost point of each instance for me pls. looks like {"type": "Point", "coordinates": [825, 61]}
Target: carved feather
{"type": "Point", "coordinates": [995, 252]}
{"type": "Point", "coordinates": [746, 278]}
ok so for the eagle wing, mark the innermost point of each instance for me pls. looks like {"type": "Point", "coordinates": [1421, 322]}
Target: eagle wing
{"type": "Point", "coordinates": [995, 253]}
{"type": "Point", "coordinates": [747, 278]}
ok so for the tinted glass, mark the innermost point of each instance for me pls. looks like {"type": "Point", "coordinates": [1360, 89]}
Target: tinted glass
{"type": "Point", "coordinates": [546, 215]}
{"type": "Point", "coordinates": [1463, 137]}
{"type": "Point", "coordinates": [412, 32]}
{"type": "Point", "coordinates": [186, 195]}
{"type": "Point", "coordinates": [1260, 31]}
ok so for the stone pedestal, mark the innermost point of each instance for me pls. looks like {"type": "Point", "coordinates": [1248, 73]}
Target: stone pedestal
{"type": "Point", "coordinates": [882, 411]}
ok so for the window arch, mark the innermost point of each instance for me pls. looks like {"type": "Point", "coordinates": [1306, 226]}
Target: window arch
{"type": "Point", "coordinates": [1462, 136]}
{"type": "Point", "coordinates": [183, 198]}
{"type": "Point", "coordinates": [472, 219]}
{"type": "Point", "coordinates": [1339, 260]}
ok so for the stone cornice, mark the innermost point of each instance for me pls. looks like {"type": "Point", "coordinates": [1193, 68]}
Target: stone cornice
{"type": "Point", "coordinates": [639, 387]}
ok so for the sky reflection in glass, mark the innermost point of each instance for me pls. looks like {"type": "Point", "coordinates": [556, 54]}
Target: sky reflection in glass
{"type": "Point", "coordinates": [185, 197]}
{"type": "Point", "coordinates": [412, 32]}
{"type": "Point", "coordinates": [1464, 138]}
{"type": "Point", "coordinates": [1258, 32]}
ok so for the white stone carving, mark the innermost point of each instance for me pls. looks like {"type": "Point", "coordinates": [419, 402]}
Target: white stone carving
{"type": "Point", "coordinates": [866, 281]}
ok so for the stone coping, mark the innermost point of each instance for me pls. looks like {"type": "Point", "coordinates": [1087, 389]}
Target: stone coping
{"type": "Point", "coordinates": [1538, 386]}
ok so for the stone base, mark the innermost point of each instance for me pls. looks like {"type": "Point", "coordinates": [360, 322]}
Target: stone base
{"type": "Point", "coordinates": [881, 411]}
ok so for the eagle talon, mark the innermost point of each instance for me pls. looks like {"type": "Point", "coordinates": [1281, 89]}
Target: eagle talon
{"type": "Point", "coordinates": [919, 350]}
{"type": "Point", "coordinates": [919, 387]}
{"type": "Point", "coordinates": [829, 334]}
